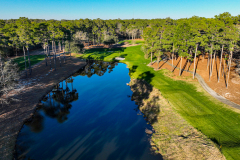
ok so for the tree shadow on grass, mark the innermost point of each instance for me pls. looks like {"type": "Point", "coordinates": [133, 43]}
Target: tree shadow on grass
{"type": "Point", "coordinates": [132, 70]}
{"type": "Point", "coordinates": [147, 76]}
{"type": "Point", "coordinates": [101, 53]}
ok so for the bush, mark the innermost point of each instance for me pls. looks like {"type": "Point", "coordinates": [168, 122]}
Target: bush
{"type": "Point", "coordinates": [110, 39]}
{"type": "Point", "coordinates": [8, 76]}
{"type": "Point", "coordinates": [75, 47]}
{"type": "Point", "coordinates": [109, 42]}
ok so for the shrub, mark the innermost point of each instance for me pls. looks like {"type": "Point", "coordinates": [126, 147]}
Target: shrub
{"type": "Point", "coordinates": [75, 46]}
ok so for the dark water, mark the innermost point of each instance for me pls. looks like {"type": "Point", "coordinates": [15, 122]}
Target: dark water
{"type": "Point", "coordinates": [88, 116]}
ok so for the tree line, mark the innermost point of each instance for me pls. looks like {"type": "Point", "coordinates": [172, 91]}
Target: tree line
{"type": "Point", "coordinates": [186, 38]}
{"type": "Point", "coordinates": [67, 35]}
{"type": "Point", "coordinates": [23, 32]}
{"type": "Point", "coordinates": [192, 37]}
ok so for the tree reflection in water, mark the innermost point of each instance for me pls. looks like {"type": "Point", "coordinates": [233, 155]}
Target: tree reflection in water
{"type": "Point", "coordinates": [58, 102]}
{"type": "Point", "coordinates": [92, 123]}
{"type": "Point", "coordinates": [96, 67]}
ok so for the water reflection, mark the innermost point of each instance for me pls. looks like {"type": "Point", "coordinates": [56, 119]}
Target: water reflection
{"type": "Point", "coordinates": [96, 67]}
{"type": "Point", "coordinates": [58, 103]}
{"type": "Point", "coordinates": [36, 125]}
{"type": "Point", "coordinates": [88, 118]}
{"type": "Point", "coordinates": [141, 93]}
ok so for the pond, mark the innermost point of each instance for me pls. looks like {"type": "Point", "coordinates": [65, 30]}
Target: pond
{"type": "Point", "coordinates": [90, 115]}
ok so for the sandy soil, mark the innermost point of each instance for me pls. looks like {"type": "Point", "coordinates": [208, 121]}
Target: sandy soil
{"type": "Point", "coordinates": [113, 46]}
{"type": "Point", "coordinates": [231, 93]}
{"type": "Point", "coordinates": [29, 92]}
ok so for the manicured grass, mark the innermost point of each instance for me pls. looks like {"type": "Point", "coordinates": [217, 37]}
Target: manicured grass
{"type": "Point", "coordinates": [103, 53]}
{"type": "Point", "coordinates": [34, 60]}
{"type": "Point", "coordinates": [131, 41]}
{"type": "Point", "coordinates": [211, 117]}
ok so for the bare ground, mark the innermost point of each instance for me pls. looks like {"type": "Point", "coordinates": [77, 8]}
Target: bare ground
{"type": "Point", "coordinates": [231, 93]}
{"type": "Point", "coordinates": [111, 46]}
{"type": "Point", "coordinates": [29, 92]}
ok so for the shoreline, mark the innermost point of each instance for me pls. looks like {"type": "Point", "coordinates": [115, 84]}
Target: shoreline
{"type": "Point", "coordinates": [173, 137]}
{"type": "Point", "coordinates": [194, 104]}
{"type": "Point", "coordinates": [34, 88]}
{"type": "Point", "coordinates": [131, 78]}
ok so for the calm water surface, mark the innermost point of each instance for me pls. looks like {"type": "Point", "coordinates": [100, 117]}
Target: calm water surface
{"type": "Point", "coordinates": [88, 116]}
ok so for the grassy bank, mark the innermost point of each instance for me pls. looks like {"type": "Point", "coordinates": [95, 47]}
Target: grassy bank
{"type": "Point", "coordinates": [211, 117]}
{"type": "Point", "coordinates": [34, 60]}
{"type": "Point", "coordinates": [173, 138]}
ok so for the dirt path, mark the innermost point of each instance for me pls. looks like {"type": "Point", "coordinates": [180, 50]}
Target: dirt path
{"type": "Point", "coordinates": [29, 92]}
{"type": "Point", "coordinates": [208, 89]}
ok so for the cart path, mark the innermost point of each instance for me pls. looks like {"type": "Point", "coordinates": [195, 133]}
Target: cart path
{"type": "Point", "coordinates": [29, 92]}
{"type": "Point", "coordinates": [207, 88]}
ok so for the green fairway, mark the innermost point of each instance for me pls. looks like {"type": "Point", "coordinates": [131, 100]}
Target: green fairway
{"type": "Point", "coordinates": [211, 117]}
{"type": "Point", "coordinates": [131, 41]}
{"type": "Point", "coordinates": [34, 60]}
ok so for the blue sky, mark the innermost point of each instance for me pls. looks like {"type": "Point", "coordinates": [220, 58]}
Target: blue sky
{"type": "Point", "coordinates": [113, 9]}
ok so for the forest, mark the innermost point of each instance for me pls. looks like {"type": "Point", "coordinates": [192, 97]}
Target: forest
{"type": "Point", "coordinates": [163, 38]}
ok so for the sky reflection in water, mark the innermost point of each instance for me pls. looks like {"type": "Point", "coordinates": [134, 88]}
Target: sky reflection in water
{"type": "Point", "coordinates": [92, 118]}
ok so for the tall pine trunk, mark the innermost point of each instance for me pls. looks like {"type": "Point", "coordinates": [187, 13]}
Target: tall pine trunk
{"type": "Point", "coordinates": [55, 47]}
{"type": "Point", "coordinates": [180, 67]}
{"type": "Point", "coordinates": [214, 57]}
{"type": "Point", "coordinates": [55, 50]}
{"type": "Point", "coordinates": [2, 77]}
{"type": "Point", "coordinates": [16, 51]}
{"type": "Point", "coordinates": [151, 57]}
{"type": "Point", "coordinates": [195, 61]}
{"type": "Point", "coordinates": [208, 62]}
{"type": "Point", "coordinates": [50, 58]}
{"type": "Point", "coordinates": [224, 62]}
{"type": "Point", "coordinates": [52, 47]}
{"type": "Point", "coordinates": [45, 50]}
{"type": "Point", "coordinates": [229, 67]}
{"type": "Point", "coordinates": [64, 52]}
{"type": "Point", "coordinates": [29, 62]}
{"type": "Point", "coordinates": [219, 73]}
{"type": "Point", "coordinates": [69, 48]}
{"type": "Point", "coordinates": [210, 68]}
{"type": "Point", "coordinates": [98, 40]}
{"type": "Point", "coordinates": [60, 47]}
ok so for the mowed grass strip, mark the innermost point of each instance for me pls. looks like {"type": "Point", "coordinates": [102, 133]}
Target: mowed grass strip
{"type": "Point", "coordinates": [34, 60]}
{"type": "Point", "coordinates": [213, 118]}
